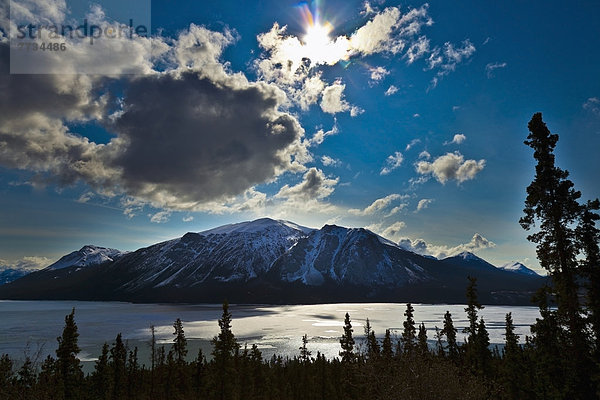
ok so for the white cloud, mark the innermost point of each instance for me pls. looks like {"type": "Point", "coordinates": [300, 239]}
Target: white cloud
{"type": "Point", "coordinates": [320, 135]}
{"type": "Point", "coordinates": [333, 99]}
{"type": "Point", "coordinates": [392, 162]}
{"type": "Point", "coordinates": [457, 139]}
{"type": "Point", "coordinates": [314, 185]}
{"type": "Point", "coordinates": [412, 143]}
{"type": "Point", "coordinates": [451, 166]}
{"type": "Point", "coordinates": [378, 205]}
{"type": "Point", "coordinates": [491, 67]}
{"type": "Point", "coordinates": [391, 90]}
{"type": "Point", "coordinates": [189, 218]}
{"type": "Point", "coordinates": [29, 263]}
{"type": "Point", "coordinates": [416, 115]}
{"type": "Point", "coordinates": [391, 232]}
{"type": "Point", "coordinates": [424, 155]}
{"type": "Point", "coordinates": [477, 242]}
{"type": "Point", "coordinates": [160, 217]}
{"type": "Point", "coordinates": [417, 50]}
{"type": "Point", "coordinates": [423, 203]}
{"type": "Point", "coordinates": [328, 161]}
{"type": "Point", "coordinates": [378, 73]}
{"type": "Point", "coordinates": [593, 105]}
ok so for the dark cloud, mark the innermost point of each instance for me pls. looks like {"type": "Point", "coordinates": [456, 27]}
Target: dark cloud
{"type": "Point", "coordinates": [191, 137]}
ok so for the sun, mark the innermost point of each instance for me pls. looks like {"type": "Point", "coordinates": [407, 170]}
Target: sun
{"type": "Point", "coordinates": [316, 42]}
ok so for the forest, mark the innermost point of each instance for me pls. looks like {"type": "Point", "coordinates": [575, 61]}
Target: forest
{"type": "Point", "coordinates": [560, 359]}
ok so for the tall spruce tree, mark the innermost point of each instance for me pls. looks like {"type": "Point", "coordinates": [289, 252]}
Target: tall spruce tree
{"type": "Point", "coordinates": [450, 332]}
{"type": "Point", "coordinates": [101, 377]}
{"type": "Point", "coordinates": [552, 203]}
{"type": "Point", "coordinates": [422, 340]}
{"type": "Point", "coordinates": [347, 342]}
{"type": "Point", "coordinates": [409, 334]}
{"type": "Point", "coordinates": [118, 362]}
{"type": "Point", "coordinates": [304, 352]}
{"type": "Point", "coordinates": [68, 365]}
{"type": "Point", "coordinates": [225, 347]}
{"type": "Point", "coordinates": [179, 342]}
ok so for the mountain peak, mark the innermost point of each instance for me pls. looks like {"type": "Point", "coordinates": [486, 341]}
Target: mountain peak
{"type": "Point", "coordinates": [86, 256]}
{"type": "Point", "coordinates": [518, 268]}
{"type": "Point", "coordinates": [258, 225]}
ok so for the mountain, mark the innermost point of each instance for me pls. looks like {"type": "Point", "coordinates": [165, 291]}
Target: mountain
{"type": "Point", "coordinates": [86, 256]}
{"type": "Point", "coordinates": [271, 261]}
{"type": "Point", "coordinates": [518, 268]}
{"type": "Point", "coordinates": [11, 274]}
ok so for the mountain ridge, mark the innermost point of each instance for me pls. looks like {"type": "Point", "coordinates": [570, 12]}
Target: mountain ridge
{"type": "Point", "coordinates": [270, 261]}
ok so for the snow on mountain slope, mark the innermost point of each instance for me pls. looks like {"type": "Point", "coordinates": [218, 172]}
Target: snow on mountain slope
{"type": "Point", "coordinates": [236, 252]}
{"type": "Point", "coordinates": [518, 268]}
{"type": "Point", "coordinates": [86, 256]}
{"type": "Point", "coordinates": [351, 256]}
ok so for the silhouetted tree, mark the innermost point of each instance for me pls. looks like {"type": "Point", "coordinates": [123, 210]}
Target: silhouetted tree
{"type": "Point", "coordinates": [409, 333]}
{"type": "Point", "coordinates": [68, 365]}
{"type": "Point", "coordinates": [422, 340]}
{"type": "Point", "coordinates": [552, 202]}
{"type": "Point", "coordinates": [304, 352]}
{"type": "Point", "coordinates": [101, 377]}
{"type": "Point", "coordinates": [225, 346]}
{"type": "Point", "coordinates": [347, 342]}
{"type": "Point", "coordinates": [450, 332]}
{"type": "Point", "coordinates": [118, 360]}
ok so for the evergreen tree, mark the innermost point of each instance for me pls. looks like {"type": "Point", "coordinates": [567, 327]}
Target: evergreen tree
{"type": "Point", "coordinates": [589, 237]}
{"type": "Point", "coordinates": [410, 331]}
{"type": "Point", "coordinates": [68, 365]}
{"type": "Point", "coordinates": [6, 376]}
{"type": "Point", "coordinates": [118, 361]}
{"type": "Point", "coordinates": [347, 342]}
{"type": "Point", "coordinates": [472, 308]}
{"type": "Point", "coordinates": [225, 346]}
{"type": "Point", "coordinates": [450, 332]}
{"type": "Point", "coordinates": [484, 356]}
{"type": "Point", "coordinates": [422, 340]}
{"type": "Point", "coordinates": [133, 368]}
{"type": "Point", "coordinates": [304, 352]}
{"type": "Point", "coordinates": [179, 342]}
{"type": "Point", "coordinates": [386, 347]}
{"type": "Point", "coordinates": [101, 377]}
{"type": "Point", "coordinates": [552, 202]}
{"type": "Point", "coordinates": [512, 365]}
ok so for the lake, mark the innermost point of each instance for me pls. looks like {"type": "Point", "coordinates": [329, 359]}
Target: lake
{"type": "Point", "coordinates": [31, 327]}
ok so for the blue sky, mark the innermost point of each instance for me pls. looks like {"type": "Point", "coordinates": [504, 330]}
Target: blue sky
{"type": "Point", "coordinates": [406, 117]}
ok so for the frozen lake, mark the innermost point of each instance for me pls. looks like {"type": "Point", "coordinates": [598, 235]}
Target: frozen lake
{"type": "Point", "coordinates": [31, 327]}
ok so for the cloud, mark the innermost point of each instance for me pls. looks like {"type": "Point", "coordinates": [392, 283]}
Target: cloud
{"type": "Point", "coordinates": [391, 90]}
{"type": "Point", "coordinates": [391, 232]}
{"type": "Point", "coordinates": [446, 60]}
{"type": "Point", "coordinates": [392, 162]}
{"type": "Point", "coordinates": [328, 161]}
{"type": "Point", "coordinates": [491, 67]}
{"type": "Point", "coordinates": [423, 204]}
{"type": "Point", "coordinates": [160, 217]}
{"type": "Point", "coordinates": [378, 205]}
{"type": "Point", "coordinates": [457, 139]}
{"type": "Point", "coordinates": [31, 263]}
{"type": "Point", "coordinates": [412, 143]}
{"type": "Point", "coordinates": [477, 242]}
{"type": "Point", "coordinates": [378, 73]}
{"type": "Point", "coordinates": [417, 50]}
{"type": "Point", "coordinates": [424, 155]}
{"type": "Point", "coordinates": [314, 185]}
{"type": "Point", "coordinates": [451, 166]}
{"type": "Point", "coordinates": [189, 218]}
{"type": "Point", "coordinates": [333, 99]}
{"type": "Point", "coordinates": [593, 105]}
{"type": "Point", "coordinates": [320, 135]}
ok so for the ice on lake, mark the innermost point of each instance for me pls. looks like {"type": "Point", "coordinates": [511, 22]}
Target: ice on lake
{"type": "Point", "coordinates": [30, 327]}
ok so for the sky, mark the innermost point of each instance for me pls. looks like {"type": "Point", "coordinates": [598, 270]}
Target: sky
{"type": "Point", "coordinates": [407, 118]}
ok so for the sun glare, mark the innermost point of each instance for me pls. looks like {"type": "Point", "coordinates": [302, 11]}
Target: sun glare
{"type": "Point", "coordinates": [317, 43]}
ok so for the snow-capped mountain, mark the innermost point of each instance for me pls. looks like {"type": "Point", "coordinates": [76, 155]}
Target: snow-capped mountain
{"type": "Point", "coordinates": [270, 261]}
{"type": "Point", "coordinates": [12, 274]}
{"type": "Point", "coordinates": [231, 253]}
{"type": "Point", "coordinates": [353, 256]}
{"type": "Point", "coordinates": [518, 268]}
{"type": "Point", "coordinates": [86, 256]}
